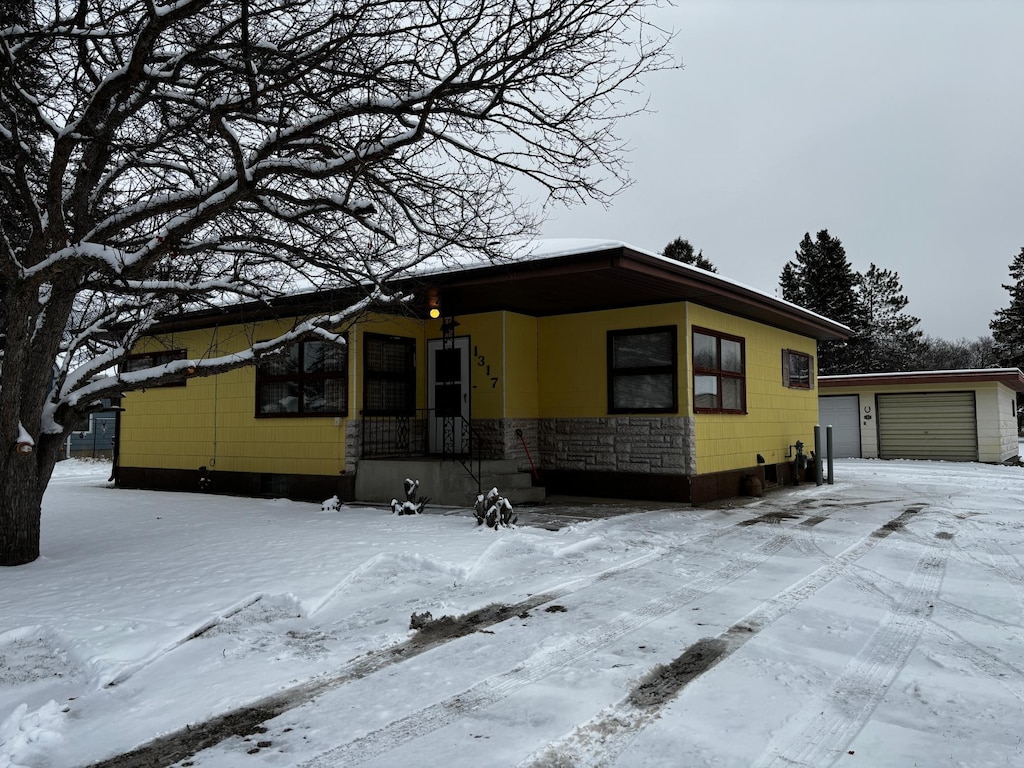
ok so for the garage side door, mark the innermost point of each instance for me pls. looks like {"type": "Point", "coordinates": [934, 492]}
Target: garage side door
{"type": "Point", "coordinates": [933, 425]}
{"type": "Point", "coordinates": [843, 413]}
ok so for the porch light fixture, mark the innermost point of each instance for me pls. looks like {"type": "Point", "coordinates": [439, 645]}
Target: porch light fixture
{"type": "Point", "coordinates": [433, 304]}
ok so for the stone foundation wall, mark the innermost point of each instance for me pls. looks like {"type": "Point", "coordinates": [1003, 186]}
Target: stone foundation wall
{"type": "Point", "coordinates": [655, 445]}
{"type": "Point", "coordinates": [644, 445]}
{"type": "Point", "coordinates": [353, 444]}
{"type": "Point", "coordinates": [497, 439]}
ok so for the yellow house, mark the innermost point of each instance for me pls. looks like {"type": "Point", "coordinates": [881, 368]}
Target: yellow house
{"type": "Point", "coordinates": [586, 367]}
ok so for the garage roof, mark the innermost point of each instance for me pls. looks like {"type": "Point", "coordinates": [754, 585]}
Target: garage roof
{"type": "Point", "coordinates": [1011, 377]}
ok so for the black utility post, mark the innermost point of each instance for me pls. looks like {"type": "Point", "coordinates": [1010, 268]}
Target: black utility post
{"type": "Point", "coordinates": [828, 451]}
{"type": "Point", "coordinates": [817, 455]}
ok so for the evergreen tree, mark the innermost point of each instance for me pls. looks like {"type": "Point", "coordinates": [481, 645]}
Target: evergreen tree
{"type": "Point", "coordinates": [681, 250]}
{"type": "Point", "coordinates": [821, 279]}
{"type": "Point", "coordinates": [890, 340]}
{"type": "Point", "coordinates": [1008, 325]}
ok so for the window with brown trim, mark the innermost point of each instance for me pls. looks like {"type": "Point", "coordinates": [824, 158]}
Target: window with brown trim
{"type": "Point", "coordinates": [389, 375]}
{"type": "Point", "coordinates": [151, 360]}
{"type": "Point", "coordinates": [309, 378]}
{"type": "Point", "coordinates": [719, 372]}
{"type": "Point", "coordinates": [797, 370]}
{"type": "Point", "coordinates": [642, 370]}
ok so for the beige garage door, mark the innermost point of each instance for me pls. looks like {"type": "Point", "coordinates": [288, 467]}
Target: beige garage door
{"type": "Point", "coordinates": [933, 425]}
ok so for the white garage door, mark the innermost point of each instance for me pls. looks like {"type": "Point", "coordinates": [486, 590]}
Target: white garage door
{"type": "Point", "coordinates": [843, 413]}
{"type": "Point", "coordinates": [933, 425]}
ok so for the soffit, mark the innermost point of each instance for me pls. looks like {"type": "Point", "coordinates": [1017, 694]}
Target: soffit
{"type": "Point", "coordinates": [612, 279]}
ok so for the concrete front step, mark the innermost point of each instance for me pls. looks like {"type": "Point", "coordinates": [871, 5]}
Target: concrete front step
{"type": "Point", "coordinates": [443, 482]}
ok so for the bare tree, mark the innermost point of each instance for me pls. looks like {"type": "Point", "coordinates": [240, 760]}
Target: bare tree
{"type": "Point", "coordinates": [192, 152]}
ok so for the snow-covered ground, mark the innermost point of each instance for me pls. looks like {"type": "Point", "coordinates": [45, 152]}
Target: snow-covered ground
{"type": "Point", "coordinates": [876, 622]}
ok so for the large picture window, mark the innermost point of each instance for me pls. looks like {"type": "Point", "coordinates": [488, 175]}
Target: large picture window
{"type": "Point", "coordinates": [642, 371]}
{"type": "Point", "coordinates": [719, 377]}
{"type": "Point", "coordinates": [797, 370]}
{"type": "Point", "coordinates": [389, 375]}
{"type": "Point", "coordinates": [153, 359]}
{"type": "Point", "coordinates": [308, 378]}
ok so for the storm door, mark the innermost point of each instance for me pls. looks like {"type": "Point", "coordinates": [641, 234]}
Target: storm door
{"type": "Point", "coordinates": [448, 396]}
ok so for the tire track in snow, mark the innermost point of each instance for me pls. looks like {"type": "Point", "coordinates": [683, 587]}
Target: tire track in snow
{"type": "Point", "coordinates": [195, 737]}
{"type": "Point", "coordinates": [885, 590]}
{"type": "Point", "coordinates": [540, 665]}
{"type": "Point", "coordinates": [820, 739]}
{"type": "Point", "coordinates": [1000, 560]}
{"type": "Point", "coordinates": [601, 740]}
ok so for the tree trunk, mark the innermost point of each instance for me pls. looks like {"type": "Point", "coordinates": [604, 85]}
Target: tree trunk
{"type": "Point", "coordinates": [23, 480]}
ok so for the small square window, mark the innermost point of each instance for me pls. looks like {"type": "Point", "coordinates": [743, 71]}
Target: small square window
{"type": "Point", "coordinates": [152, 360]}
{"type": "Point", "coordinates": [797, 369]}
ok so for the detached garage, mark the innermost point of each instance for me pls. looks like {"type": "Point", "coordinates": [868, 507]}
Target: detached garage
{"type": "Point", "coordinates": [939, 415]}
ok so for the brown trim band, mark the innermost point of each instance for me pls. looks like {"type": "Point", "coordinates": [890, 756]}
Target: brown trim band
{"type": "Point", "coordinates": [315, 488]}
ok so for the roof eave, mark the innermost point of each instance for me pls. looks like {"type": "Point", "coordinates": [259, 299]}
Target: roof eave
{"type": "Point", "coordinates": [1010, 377]}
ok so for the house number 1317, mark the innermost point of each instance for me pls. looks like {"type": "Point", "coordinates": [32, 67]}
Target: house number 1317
{"type": "Point", "coordinates": [481, 361]}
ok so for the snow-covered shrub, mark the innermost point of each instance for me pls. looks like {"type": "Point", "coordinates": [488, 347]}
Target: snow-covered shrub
{"type": "Point", "coordinates": [332, 504]}
{"type": "Point", "coordinates": [494, 510]}
{"type": "Point", "coordinates": [411, 505]}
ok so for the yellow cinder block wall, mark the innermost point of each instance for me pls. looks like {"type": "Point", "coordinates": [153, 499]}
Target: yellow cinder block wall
{"type": "Point", "coordinates": [211, 421]}
{"type": "Point", "coordinates": [573, 357]}
{"type": "Point", "coordinates": [487, 373]}
{"type": "Point", "coordinates": [776, 417]}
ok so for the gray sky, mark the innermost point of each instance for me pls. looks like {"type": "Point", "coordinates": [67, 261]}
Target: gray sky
{"type": "Point", "coordinates": [898, 126]}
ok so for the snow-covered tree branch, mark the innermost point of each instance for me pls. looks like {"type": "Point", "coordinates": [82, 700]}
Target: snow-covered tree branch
{"type": "Point", "coordinates": [160, 156]}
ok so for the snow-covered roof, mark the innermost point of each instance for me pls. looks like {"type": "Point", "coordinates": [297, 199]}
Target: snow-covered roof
{"type": "Point", "coordinates": [535, 251]}
{"type": "Point", "coordinates": [1011, 377]}
{"type": "Point", "coordinates": [556, 276]}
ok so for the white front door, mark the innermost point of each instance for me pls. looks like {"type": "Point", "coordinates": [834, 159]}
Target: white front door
{"type": "Point", "coordinates": [448, 396]}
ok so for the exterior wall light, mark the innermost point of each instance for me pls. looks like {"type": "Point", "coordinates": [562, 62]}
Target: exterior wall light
{"type": "Point", "coordinates": [433, 302]}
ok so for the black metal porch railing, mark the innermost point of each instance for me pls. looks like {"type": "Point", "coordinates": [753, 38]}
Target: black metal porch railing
{"type": "Point", "coordinates": [408, 435]}
{"type": "Point", "coordinates": [394, 436]}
